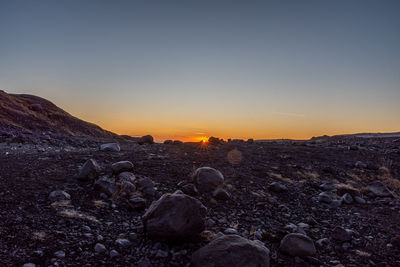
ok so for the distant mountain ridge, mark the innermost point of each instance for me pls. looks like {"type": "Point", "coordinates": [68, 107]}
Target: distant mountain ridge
{"type": "Point", "coordinates": [21, 113]}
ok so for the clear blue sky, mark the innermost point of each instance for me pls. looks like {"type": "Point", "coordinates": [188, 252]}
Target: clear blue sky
{"type": "Point", "coordinates": [184, 69]}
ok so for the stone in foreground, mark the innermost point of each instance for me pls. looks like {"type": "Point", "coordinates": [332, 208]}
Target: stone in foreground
{"type": "Point", "coordinates": [207, 179]}
{"type": "Point", "coordinates": [231, 250]}
{"type": "Point", "coordinates": [122, 166]}
{"type": "Point", "coordinates": [175, 217]}
{"type": "Point", "coordinates": [297, 245]}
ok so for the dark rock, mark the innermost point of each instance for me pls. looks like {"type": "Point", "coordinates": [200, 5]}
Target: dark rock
{"type": "Point", "coordinates": [106, 186]}
{"type": "Point", "coordinates": [277, 187]}
{"type": "Point", "coordinates": [137, 202]}
{"type": "Point", "coordinates": [347, 198]}
{"type": "Point", "coordinates": [231, 250]}
{"type": "Point", "coordinates": [325, 197]}
{"type": "Point", "coordinates": [59, 195]}
{"type": "Point", "coordinates": [327, 186]}
{"type": "Point", "coordinates": [90, 170]}
{"type": "Point", "coordinates": [341, 234]}
{"type": "Point", "coordinates": [127, 176]}
{"type": "Point", "coordinates": [221, 194]}
{"type": "Point", "coordinates": [168, 142]}
{"type": "Point", "coordinates": [360, 200]}
{"type": "Point", "coordinates": [110, 147]}
{"type": "Point", "coordinates": [214, 140]}
{"type": "Point", "coordinates": [190, 189]}
{"type": "Point", "coordinates": [207, 179]}
{"type": "Point", "coordinates": [379, 189]}
{"type": "Point", "coordinates": [36, 107]}
{"type": "Point", "coordinates": [175, 217]}
{"type": "Point", "coordinates": [100, 248]}
{"type": "Point", "coordinates": [122, 166]}
{"type": "Point", "coordinates": [146, 186]}
{"type": "Point", "coordinates": [297, 245]}
{"type": "Point", "coordinates": [147, 139]}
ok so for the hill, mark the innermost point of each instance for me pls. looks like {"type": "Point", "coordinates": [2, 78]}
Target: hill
{"type": "Point", "coordinates": [22, 113]}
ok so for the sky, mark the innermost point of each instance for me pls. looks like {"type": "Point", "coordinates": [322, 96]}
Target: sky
{"type": "Point", "coordinates": [188, 69]}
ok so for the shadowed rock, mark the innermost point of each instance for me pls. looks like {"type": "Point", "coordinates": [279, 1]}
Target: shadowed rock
{"type": "Point", "coordinates": [231, 250]}
{"type": "Point", "coordinates": [59, 195]}
{"type": "Point", "coordinates": [106, 186]}
{"type": "Point", "coordinates": [297, 245]}
{"type": "Point", "coordinates": [147, 139]}
{"type": "Point", "coordinates": [110, 147]}
{"type": "Point", "coordinates": [379, 189]}
{"type": "Point", "coordinates": [122, 166]}
{"type": "Point", "coordinates": [175, 217]}
{"type": "Point", "coordinates": [207, 179]}
{"type": "Point", "coordinates": [90, 170]}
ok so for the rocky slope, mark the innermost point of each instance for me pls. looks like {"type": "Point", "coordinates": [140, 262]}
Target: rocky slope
{"type": "Point", "coordinates": [24, 115]}
{"type": "Point", "coordinates": [325, 203]}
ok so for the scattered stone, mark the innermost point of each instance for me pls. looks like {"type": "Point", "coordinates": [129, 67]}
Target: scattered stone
{"type": "Point", "coordinates": [36, 107]}
{"type": "Point", "coordinates": [127, 187]}
{"type": "Point", "coordinates": [100, 248]}
{"type": "Point", "coordinates": [122, 166]}
{"type": "Point", "coordinates": [127, 176]}
{"type": "Point", "coordinates": [137, 203]}
{"type": "Point", "coordinates": [221, 194]}
{"type": "Point", "coordinates": [277, 187]}
{"type": "Point", "coordinates": [207, 179]}
{"type": "Point", "coordinates": [86, 228]}
{"type": "Point", "coordinates": [379, 189]}
{"type": "Point", "coordinates": [59, 195]}
{"type": "Point", "coordinates": [230, 231]}
{"type": "Point", "coordinates": [110, 147]}
{"type": "Point", "coordinates": [175, 217]}
{"type": "Point", "coordinates": [297, 245]}
{"type": "Point", "coordinates": [190, 189]}
{"type": "Point", "coordinates": [60, 254]}
{"type": "Point", "coordinates": [341, 234]}
{"type": "Point", "coordinates": [89, 171]}
{"type": "Point", "coordinates": [168, 142]}
{"type": "Point", "coordinates": [360, 200]}
{"type": "Point", "coordinates": [322, 242]}
{"type": "Point", "coordinates": [106, 186]}
{"type": "Point", "coordinates": [147, 139]}
{"type": "Point", "coordinates": [146, 186]}
{"type": "Point", "coordinates": [123, 242]}
{"type": "Point", "coordinates": [29, 265]}
{"type": "Point", "coordinates": [347, 198]}
{"type": "Point", "coordinates": [327, 186]}
{"type": "Point", "coordinates": [114, 254]}
{"type": "Point", "coordinates": [232, 250]}
{"type": "Point", "coordinates": [336, 203]}
{"type": "Point", "coordinates": [325, 197]}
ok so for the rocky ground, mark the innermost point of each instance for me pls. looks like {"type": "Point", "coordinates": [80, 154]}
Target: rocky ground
{"type": "Point", "coordinates": [325, 202]}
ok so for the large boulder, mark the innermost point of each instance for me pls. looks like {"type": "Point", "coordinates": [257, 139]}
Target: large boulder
{"type": "Point", "coordinates": [90, 170]}
{"type": "Point", "coordinates": [122, 166]}
{"type": "Point", "coordinates": [297, 245]}
{"type": "Point", "coordinates": [231, 250]}
{"type": "Point", "coordinates": [147, 139]}
{"type": "Point", "coordinates": [111, 147]}
{"type": "Point", "coordinates": [207, 179]}
{"type": "Point", "coordinates": [175, 217]}
{"type": "Point", "coordinates": [379, 189]}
